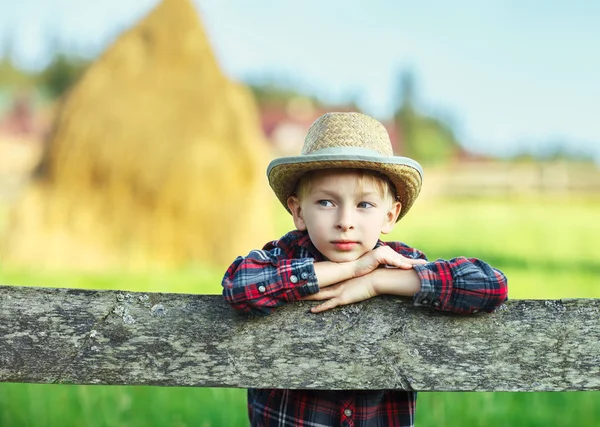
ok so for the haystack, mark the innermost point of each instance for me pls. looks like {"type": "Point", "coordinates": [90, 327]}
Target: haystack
{"type": "Point", "coordinates": [155, 158]}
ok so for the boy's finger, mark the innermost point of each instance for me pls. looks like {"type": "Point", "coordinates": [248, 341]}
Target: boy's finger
{"type": "Point", "coordinates": [325, 306]}
{"type": "Point", "coordinates": [396, 261]}
{"type": "Point", "coordinates": [416, 261]}
{"type": "Point", "coordinates": [402, 264]}
{"type": "Point", "coordinates": [320, 296]}
{"type": "Point", "coordinates": [411, 262]}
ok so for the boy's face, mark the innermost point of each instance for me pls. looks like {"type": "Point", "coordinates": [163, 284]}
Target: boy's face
{"type": "Point", "coordinates": [343, 216]}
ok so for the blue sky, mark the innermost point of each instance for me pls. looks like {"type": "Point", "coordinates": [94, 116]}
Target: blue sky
{"type": "Point", "coordinates": [503, 73]}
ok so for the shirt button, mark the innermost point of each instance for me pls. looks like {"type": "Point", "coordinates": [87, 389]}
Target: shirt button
{"type": "Point", "coordinates": [261, 288]}
{"type": "Point", "coordinates": [293, 279]}
{"type": "Point", "coordinates": [304, 275]}
{"type": "Point", "coordinates": [347, 412]}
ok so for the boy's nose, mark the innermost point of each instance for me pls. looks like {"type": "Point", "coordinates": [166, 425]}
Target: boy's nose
{"type": "Point", "coordinates": [345, 222]}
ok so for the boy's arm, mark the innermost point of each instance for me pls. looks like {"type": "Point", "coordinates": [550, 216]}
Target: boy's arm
{"type": "Point", "coordinates": [393, 281]}
{"type": "Point", "coordinates": [331, 273]}
{"type": "Point", "coordinates": [268, 278]}
{"type": "Point", "coordinates": [265, 279]}
{"type": "Point", "coordinates": [460, 285]}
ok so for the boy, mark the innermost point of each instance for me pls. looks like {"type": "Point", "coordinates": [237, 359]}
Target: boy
{"type": "Point", "coordinates": [343, 191]}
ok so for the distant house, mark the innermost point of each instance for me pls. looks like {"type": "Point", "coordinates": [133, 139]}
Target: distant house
{"type": "Point", "coordinates": [24, 115]}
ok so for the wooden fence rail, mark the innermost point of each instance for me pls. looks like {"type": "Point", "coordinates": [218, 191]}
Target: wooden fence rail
{"type": "Point", "coordinates": [74, 336]}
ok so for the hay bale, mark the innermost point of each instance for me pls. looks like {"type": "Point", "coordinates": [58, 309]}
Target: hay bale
{"type": "Point", "coordinates": [155, 158]}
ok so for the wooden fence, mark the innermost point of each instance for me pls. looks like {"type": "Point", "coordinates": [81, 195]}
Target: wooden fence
{"type": "Point", "coordinates": [72, 336]}
{"type": "Point", "coordinates": [513, 179]}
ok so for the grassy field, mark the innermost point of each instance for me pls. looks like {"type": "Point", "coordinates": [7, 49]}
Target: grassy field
{"type": "Point", "coordinates": [545, 245]}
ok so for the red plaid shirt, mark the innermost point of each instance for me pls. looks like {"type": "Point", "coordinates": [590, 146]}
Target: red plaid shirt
{"type": "Point", "coordinates": [283, 272]}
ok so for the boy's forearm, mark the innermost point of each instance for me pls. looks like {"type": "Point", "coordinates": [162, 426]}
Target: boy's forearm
{"type": "Point", "coordinates": [329, 273]}
{"type": "Point", "coordinates": [396, 281]}
{"type": "Point", "coordinates": [386, 281]}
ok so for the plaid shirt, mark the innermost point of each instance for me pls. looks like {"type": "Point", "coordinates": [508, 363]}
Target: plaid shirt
{"type": "Point", "coordinates": [283, 272]}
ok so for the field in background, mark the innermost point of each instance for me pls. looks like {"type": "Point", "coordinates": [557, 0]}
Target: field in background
{"type": "Point", "coordinates": [547, 246]}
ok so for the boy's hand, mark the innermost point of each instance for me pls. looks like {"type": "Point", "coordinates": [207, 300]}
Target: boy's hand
{"type": "Point", "coordinates": [391, 281]}
{"type": "Point", "coordinates": [383, 255]}
{"type": "Point", "coordinates": [346, 292]}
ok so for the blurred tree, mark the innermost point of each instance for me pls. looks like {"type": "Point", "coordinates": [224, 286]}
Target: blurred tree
{"type": "Point", "coordinates": [277, 91]}
{"type": "Point", "coordinates": [272, 93]}
{"type": "Point", "coordinates": [10, 74]}
{"type": "Point", "coordinates": [424, 138]}
{"type": "Point", "coordinates": [61, 73]}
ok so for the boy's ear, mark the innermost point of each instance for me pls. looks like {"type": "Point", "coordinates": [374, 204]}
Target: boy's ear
{"type": "Point", "coordinates": [391, 217]}
{"type": "Point", "coordinates": [294, 205]}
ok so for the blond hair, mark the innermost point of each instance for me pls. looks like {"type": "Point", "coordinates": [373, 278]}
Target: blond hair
{"type": "Point", "coordinates": [381, 183]}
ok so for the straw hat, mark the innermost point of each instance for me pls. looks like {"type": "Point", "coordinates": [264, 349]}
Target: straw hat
{"type": "Point", "coordinates": [347, 140]}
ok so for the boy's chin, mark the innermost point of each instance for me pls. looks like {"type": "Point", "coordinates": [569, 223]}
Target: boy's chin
{"type": "Point", "coordinates": [342, 256]}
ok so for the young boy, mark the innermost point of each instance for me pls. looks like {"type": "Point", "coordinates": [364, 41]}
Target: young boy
{"type": "Point", "coordinates": [343, 191]}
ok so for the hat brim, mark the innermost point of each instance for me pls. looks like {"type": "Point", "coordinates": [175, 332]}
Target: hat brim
{"type": "Point", "coordinates": [404, 173]}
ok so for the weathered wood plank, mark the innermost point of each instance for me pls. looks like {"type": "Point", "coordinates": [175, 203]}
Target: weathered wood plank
{"type": "Point", "coordinates": [109, 337]}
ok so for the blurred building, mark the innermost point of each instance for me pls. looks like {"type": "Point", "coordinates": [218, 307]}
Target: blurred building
{"type": "Point", "coordinates": [24, 122]}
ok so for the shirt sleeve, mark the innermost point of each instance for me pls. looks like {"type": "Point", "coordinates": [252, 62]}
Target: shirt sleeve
{"type": "Point", "coordinates": [460, 285]}
{"type": "Point", "coordinates": [266, 279]}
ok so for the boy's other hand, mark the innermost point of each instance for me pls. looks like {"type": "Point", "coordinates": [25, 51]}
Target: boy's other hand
{"type": "Point", "coordinates": [383, 255]}
{"type": "Point", "coordinates": [390, 281]}
{"type": "Point", "coordinates": [346, 292]}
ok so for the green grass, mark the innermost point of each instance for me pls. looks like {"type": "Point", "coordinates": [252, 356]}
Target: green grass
{"type": "Point", "coordinates": [39, 405]}
{"type": "Point", "coordinates": [577, 409]}
{"type": "Point", "coordinates": [545, 245]}
{"type": "Point", "coordinates": [194, 280]}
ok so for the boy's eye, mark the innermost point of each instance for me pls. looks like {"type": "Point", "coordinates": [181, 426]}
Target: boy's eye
{"type": "Point", "coordinates": [366, 205]}
{"type": "Point", "coordinates": [325, 203]}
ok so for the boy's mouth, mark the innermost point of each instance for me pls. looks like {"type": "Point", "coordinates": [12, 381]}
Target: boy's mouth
{"type": "Point", "coordinates": [344, 245]}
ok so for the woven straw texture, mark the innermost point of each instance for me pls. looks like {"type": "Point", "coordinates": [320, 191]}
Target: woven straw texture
{"type": "Point", "coordinates": [347, 130]}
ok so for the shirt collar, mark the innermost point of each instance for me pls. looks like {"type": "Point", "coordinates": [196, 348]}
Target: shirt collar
{"type": "Point", "coordinates": [379, 244]}
{"type": "Point", "coordinates": [303, 240]}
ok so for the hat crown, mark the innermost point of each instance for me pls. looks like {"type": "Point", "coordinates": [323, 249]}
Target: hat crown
{"type": "Point", "coordinates": [339, 130]}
